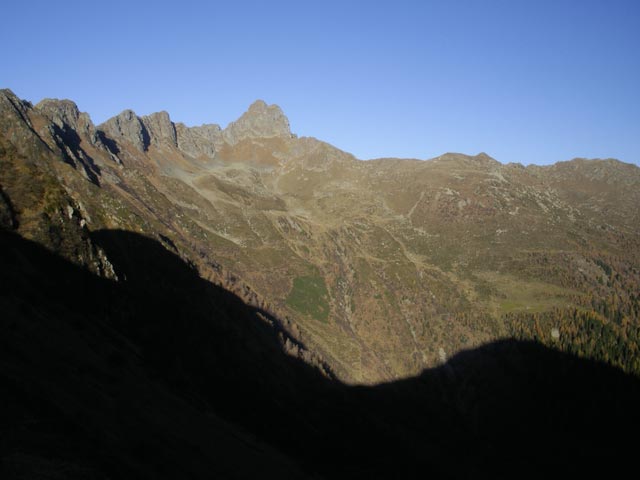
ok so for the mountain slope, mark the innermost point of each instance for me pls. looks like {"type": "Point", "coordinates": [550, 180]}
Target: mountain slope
{"type": "Point", "coordinates": [165, 375]}
{"type": "Point", "coordinates": [197, 301]}
{"type": "Point", "coordinates": [382, 268]}
{"type": "Point", "coordinates": [104, 379]}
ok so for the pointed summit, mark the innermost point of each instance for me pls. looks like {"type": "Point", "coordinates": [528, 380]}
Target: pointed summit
{"type": "Point", "coordinates": [259, 121]}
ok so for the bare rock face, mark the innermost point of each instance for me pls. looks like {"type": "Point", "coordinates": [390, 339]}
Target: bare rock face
{"type": "Point", "coordinates": [68, 129]}
{"type": "Point", "coordinates": [157, 129]}
{"type": "Point", "coordinates": [260, 121]}
{"type": "Point", "coordinates": [16, 124]}
{"type": "Point", "coordinates": [127, 127]}
{"type": "Point", "coordinates": [11, 105]}
{"type": "Point", "coordinates": [60, 112]}
{"type": "Point", "coordinates": [65, 114]}
{"type": "Point", "coordinates": [161, 129]}
{"type": "Point", "coordinates": [198, 141]}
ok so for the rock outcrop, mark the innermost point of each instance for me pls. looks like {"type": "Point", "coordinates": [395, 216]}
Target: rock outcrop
{"type": "Point", "coordinates": [11, 105]}
{"type": "Point", "coordinates": [160, 128]}
{"type": "Point", "coordinates": [260, 121]}
{"type": "Point", "coordinates": [127, 127]}
{"type": "Point", "coordinates": [65, 114]}
{"type": "Point", "coordinates": [198, 141]}
{"type": "Point", "coordinates": [16, 125]}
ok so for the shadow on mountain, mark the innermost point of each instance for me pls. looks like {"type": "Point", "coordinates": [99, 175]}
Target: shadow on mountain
{"type": "Point", "coordinates": [109, 143]}
{"type": "Point", "coordinates": [69, 141]}
{"type": "Point", "coordinates": [165, 375]}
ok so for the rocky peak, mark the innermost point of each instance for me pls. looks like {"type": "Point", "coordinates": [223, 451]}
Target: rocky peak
{"type": "Point", "coordinates": [66, 115]}
{"type": "Point", "coordinates": [127, 127]}
{"type": "Point", "coordinates": [260, 121]}
{"type": "Point", "coordinates": [60, 112]}
{"type": "Point", "coordinates": [160, 128]}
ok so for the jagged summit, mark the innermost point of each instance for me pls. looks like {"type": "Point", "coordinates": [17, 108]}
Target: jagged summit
{"type": "Point", "coordinates": [66, 116]}
{"type": "Point", "coordinates": [127, 126]}
{"type": "Point", "coordinates": [155, 129]}
{"type": "Point", "coordinates": [61, 110]}
{"type": "Point", "coordinates": [260, 120]}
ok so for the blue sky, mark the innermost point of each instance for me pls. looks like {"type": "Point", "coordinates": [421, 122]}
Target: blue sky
{"type": "Point", "coordinates": [525, 81]}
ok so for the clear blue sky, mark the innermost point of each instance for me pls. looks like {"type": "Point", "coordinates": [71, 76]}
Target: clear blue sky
{"type": "Point", "coordinates": [525, 81]}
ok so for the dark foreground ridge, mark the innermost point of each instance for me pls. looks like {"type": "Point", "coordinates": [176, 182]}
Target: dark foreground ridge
{"type": "Point", "coordinates": [165, 375]}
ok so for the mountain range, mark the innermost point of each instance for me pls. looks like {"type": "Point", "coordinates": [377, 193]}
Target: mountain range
{"type": "Point", "coordinates": [186, 300]}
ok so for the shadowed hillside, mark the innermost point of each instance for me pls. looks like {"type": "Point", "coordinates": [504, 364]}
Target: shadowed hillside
{"type": "Point", "coordinates": [162, 374]}
{"type": "Point", "coordinates": [381, 268]}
